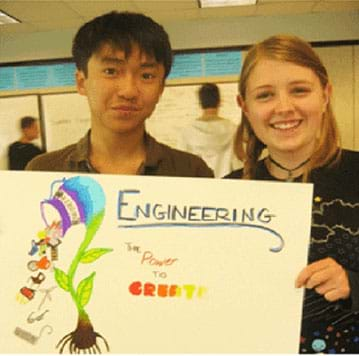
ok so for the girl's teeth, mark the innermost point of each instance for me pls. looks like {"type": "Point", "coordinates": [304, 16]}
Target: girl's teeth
{"type": "Point", "coordinates": [285, 125]}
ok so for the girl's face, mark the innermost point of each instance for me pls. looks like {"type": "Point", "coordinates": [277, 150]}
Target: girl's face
{"type": "Point", "coordinates": [284, 104]}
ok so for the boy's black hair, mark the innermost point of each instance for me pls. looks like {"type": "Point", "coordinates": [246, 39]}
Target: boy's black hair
{"type": "Point", "coordinates": [121, 30]}
{"type": "Point", "coordinates": [27, 121]}
{"type": "Point", "coordinates": [209, 96]}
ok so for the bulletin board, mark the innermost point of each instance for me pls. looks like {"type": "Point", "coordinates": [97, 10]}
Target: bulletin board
{"type": "Point", "coordinates": [67, 116]}
{"type": "Point", "coordinates": [12, 109]}
{"type": "Point", "coordinates": [179, 105]}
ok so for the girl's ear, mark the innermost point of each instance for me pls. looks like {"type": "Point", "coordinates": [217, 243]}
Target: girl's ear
{"type": "Point", "coordinates": [80, 82]}
{"type": "Point", "coordinates": [328, 90]}
{"type": "Point", "coordinates": [241, 103]}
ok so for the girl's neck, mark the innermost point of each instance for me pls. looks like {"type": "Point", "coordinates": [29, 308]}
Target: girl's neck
{"type": "Point", "coordinates": [287, 167]}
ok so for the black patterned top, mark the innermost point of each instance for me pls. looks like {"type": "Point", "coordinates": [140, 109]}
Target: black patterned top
{"type": "Point", "coordinates": [331, 327]}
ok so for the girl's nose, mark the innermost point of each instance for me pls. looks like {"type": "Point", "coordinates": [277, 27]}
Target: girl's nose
{"type": "Point", "coordinates": [284, 103]}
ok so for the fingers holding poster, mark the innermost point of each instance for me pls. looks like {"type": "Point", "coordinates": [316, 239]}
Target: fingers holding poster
{"type": "Point", "coordinates": [150, 265]}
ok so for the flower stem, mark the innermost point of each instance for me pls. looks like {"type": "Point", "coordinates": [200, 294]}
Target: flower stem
{"type": "Point", "coordinates": [91, 230]}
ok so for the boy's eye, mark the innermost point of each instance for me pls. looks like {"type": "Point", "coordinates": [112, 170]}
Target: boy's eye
{"type": "Point", "coordinates": [110, 71]}
{"type": "Point", "coordinates": [148, 76]}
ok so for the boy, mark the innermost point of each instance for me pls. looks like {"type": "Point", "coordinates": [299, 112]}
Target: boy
{"type": "Point", "coordinates": [122, 61]}
{"type": "Point", "coordinates": [210, 136]}
{"type": "Point", "coordinates": [23, 150]}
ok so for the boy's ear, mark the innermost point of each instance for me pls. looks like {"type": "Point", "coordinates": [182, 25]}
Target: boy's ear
{"type": "Point", "coordinates": [241, 103]}
{"type": "Point", "coordinates": [163, 87]}
{"type": "Point", "coordinates": [80, 82]}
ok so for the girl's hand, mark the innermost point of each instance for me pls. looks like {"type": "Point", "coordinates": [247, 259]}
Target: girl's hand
{"type": "Point", "coordinates": [327, 277]}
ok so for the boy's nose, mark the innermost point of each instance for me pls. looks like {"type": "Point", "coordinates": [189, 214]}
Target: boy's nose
{"type": "Point", "coordinates": [128, 88]}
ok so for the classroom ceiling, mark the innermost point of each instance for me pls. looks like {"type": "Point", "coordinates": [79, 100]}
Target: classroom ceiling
{"type": "Point", "coordinates": [48, 15]}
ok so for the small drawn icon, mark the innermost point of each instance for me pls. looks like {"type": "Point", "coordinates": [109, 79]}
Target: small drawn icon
{"type": "Point", "coordinates": [47, 296]}
{"type": "Point", "coordinates": [43, 263]}
{"type": "Point", "coordinates": [25, 295]}
{"type": "Point", "coordinates": [30, 338]}
{"type": "Point", "coordinates": [31, 318]}
{"type": "Point", "coordinates": [37, 280]}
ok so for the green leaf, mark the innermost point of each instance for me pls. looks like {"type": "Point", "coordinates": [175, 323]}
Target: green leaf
{"type": "Point", "coordinates": [94, 254]}
{"type": "Point", "coordinates": [84, 290]}
{"type": "Point", "coordinates": [62, 279]}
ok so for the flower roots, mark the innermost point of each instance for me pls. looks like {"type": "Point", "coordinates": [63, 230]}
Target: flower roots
{"type": "Point", "coordinates": [82, 340]}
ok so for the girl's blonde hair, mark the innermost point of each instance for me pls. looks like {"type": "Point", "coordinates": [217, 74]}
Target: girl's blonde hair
{"type": "Point", "coordinates": [291, 49]}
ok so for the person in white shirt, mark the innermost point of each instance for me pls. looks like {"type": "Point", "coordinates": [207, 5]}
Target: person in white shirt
{"type": "Point", "coordinates": [210, 136]}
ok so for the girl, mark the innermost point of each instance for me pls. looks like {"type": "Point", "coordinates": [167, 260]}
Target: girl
{"type": "Point", "coordinates": [288, 133]}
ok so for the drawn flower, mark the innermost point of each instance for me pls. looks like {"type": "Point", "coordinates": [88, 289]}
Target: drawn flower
{"type": "Point", "coordinates": [77, 200]}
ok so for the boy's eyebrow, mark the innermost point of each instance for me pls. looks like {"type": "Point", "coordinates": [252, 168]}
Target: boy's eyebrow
{"type": "Point", "coordinates": [112, 60]}
{"type": "Point", "coordinates": [117, 61]}
{"type": "Point", "coordinates": [149, 64]}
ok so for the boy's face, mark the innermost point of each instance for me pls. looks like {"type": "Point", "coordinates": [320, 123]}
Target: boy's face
{"type": "Point", "coordinates": [122, 92]}
{"type": "Point", "coordinates": [32, 132]}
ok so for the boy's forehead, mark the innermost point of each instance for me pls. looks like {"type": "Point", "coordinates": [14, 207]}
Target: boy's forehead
{"type": "Point", "coordinates": [109, 50]}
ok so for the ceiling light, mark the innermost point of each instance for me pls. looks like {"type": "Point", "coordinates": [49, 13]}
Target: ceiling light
{"type": "Point", "coordinates": [219, 3]}
{"type": "Point", "coordinates": [6, 19]}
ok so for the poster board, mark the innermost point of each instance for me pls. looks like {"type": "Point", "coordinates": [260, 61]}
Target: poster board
{"type": "Point", "coordinates": [11, 111]}
{"type": "Point", "coordinates": [155, 271]}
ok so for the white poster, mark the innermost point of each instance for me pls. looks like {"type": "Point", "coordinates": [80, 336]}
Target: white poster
{"type": "Point", "coordinates": [121, 264]}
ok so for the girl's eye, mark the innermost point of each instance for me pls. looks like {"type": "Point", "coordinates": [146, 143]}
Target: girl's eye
{"type": "Point", "coordinates": [300, 90]}
{"type": "Point", "coordinates": [265, 95]}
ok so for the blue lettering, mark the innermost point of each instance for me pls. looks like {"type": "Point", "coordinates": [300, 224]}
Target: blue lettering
{"type": "Point", "coordinates": [121, 204]}
{"type": "Point", "coordinates": [193, 214]}
{"type": "Point", "coordinates": [206, 214]}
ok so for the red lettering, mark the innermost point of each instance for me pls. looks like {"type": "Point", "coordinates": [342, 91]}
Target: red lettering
{"type": "Point", "coordinates": [149, 289]}
{"type": "Point", "coordinates": [162, 290]}
{"type": "Point", "coordinates": [166, 290]}
{"type": "Point", "coordinates": [135, 288]}
{"type": "Point", "coordinates": [173, 290]}
{"type": "Point", "coordinates": [146, 256]}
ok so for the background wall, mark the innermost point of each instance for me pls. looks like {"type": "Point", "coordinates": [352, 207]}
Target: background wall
{"type": "Point", "coordinates": [342, 64]}
{"type": "Point", "coordinates": [192, 34]}
{"type": "Point", "coordinates": [61, 113]}
{"type": "Point", "coordinates": [65, 116]}
{"type": "Point", "coordinates": [356, 97]}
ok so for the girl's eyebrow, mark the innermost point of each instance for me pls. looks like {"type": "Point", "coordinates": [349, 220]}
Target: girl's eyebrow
{"type": "Point", "coordinates": [301, 81]}
{"type": "Point", "coordinates": [294, 82]}
{"type": "Point", "coordinates": [260, 87]}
